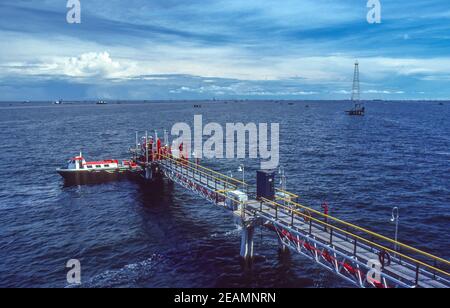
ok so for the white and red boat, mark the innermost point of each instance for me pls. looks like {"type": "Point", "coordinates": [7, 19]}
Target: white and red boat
{"type": "Point", "coordinates": [79, 170]}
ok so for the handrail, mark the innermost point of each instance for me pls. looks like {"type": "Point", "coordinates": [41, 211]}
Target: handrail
{"type": "Point", "coordinates": [362, 238]}
{"type": "Point", "coordinates": [221, 193]}
{"type": "Point", "coordinates": [208, 169]}
{"type": "Point", "coordinates": [199, 171]}
{"type": "Point", "coordinates": [225, 179]}
{"type": "Point", "coordinates": [369, 232]}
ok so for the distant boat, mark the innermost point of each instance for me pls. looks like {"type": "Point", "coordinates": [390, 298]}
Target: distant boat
{"type": "Point", "coordinates": [101, 103]}
{"type": "Point", "coordinates": [58, 102]}
{"type": "Point", "coordinates": [358, 108]}
{"type": "Point", "coordinates": [197, 106]}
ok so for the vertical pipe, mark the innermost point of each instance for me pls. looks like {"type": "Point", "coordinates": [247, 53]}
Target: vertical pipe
{"type": "Point", "coordinates": [146, 148]}
{"type": "Point", "coordinates": [137, 145]}
{"type": "Point", "coordinates": [166, 138]}
{"type": "Point", "coordinates": [247, 242]}
{"type": "Point", "coordinates": [396, 235]}
{"type": "Point", "coordinates": [215, 189]}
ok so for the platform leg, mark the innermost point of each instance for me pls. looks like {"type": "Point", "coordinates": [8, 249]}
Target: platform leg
{"type": "Point", "coordinates": [283, 248]}
{"type": "Point", "coordinates": [148, 173]}
{"type": "Point", "coordinates": [247, 242]}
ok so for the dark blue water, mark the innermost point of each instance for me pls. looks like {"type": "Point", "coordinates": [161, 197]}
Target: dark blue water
{"type": "Point", "coordinates": [129, 234]}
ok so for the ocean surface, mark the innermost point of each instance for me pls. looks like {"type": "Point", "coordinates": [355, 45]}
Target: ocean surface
{"type": "Point", "coordinates": [127, 234]}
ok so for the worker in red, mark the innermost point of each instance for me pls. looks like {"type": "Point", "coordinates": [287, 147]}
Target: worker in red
{"type": "Point", "coordinates": [325, 212]}
{"type": "Point", "coordinates": [158, 149]}
{"type": "Point", "coordinates": [181, 156]}
{"type": "Point", "coordinates": [180, 148]}
{"type": "Point", "coordinates": [150, 149]}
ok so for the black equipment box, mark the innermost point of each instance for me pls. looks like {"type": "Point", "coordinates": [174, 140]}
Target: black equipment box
{"type": "Point", "coordinates": [265, 184]}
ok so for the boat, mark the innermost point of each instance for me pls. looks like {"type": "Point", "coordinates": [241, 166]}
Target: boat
{"type": "Point", "coordinates": [101, 103]}
{"type": "Point", "coordinates": [58, 102]}
{"type": "Point", "coordinates": [79, 171]}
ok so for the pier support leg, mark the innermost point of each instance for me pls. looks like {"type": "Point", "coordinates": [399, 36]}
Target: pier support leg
{"type": "Point", "coordinates": [148, 173]}
{"type": "Point", "coordinates": [247, 242]}
{"type": "Point", "coordinates": [283, 248]}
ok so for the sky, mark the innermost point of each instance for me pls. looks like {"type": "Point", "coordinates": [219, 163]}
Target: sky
{"type": "Point", "coordinates": [223, 49]}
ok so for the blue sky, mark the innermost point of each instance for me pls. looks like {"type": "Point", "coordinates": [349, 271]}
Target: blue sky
{"type": "Point", "coordinates": [271, 49]}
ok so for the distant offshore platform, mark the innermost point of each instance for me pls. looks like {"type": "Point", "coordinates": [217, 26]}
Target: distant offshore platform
{"type": "Point", "coordinates": [358, 106]}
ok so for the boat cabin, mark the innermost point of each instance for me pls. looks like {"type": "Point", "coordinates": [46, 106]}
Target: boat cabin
{"type": "Point", "coordinates": [79, 163]}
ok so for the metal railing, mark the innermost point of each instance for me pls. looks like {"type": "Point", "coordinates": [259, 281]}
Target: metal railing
{"type": "Point", "coordinates": [308, 217]}
{"type": "Point", "coordinates": [187, 167]}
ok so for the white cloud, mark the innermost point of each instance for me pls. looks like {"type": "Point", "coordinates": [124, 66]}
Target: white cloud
{"type": "Point", "coordinates": [90, 65]}
{"type": "Point", "coordinates": [87, 65]}
{"type": "Point", "coordinates": [335, 71]}
{"type": "Point", "coordinates": [344, 92]}
{"type": "Point", "coordinates": [383, 92]}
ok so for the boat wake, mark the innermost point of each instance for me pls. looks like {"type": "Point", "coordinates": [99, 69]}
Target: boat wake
{"type": "Point", "coordinates": [129, 276]}
{"type": "Point", "coordinates": [229, 234]}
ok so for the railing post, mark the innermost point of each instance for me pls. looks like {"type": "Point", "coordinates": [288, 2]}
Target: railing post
{"type": "Point", "coordinates": [276, 212]}
{"type": "Point", "coordinates": [331, 236]}
{"type": "Point", "coordinates": [260, 205]}
{"type": "Point", "coordinates": [310, 226]}
{"type": "Point", "coordinates": [292, 219]}
{"type": "Point", "coordinates": [215, 188]}
{"type": "Point", "coordinates": [355, 247]}
{"type": "Point", "coordinates": [417, 274]}
{"type": "Point", "coordinates": [434, 271]}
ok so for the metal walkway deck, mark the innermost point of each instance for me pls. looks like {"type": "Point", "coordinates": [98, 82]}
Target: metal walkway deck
{"type": "Point", "coordinates": [361, 257]}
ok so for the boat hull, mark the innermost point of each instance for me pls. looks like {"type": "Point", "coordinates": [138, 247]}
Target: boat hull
{"type": "Point", "coordinates": [79, 177]}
